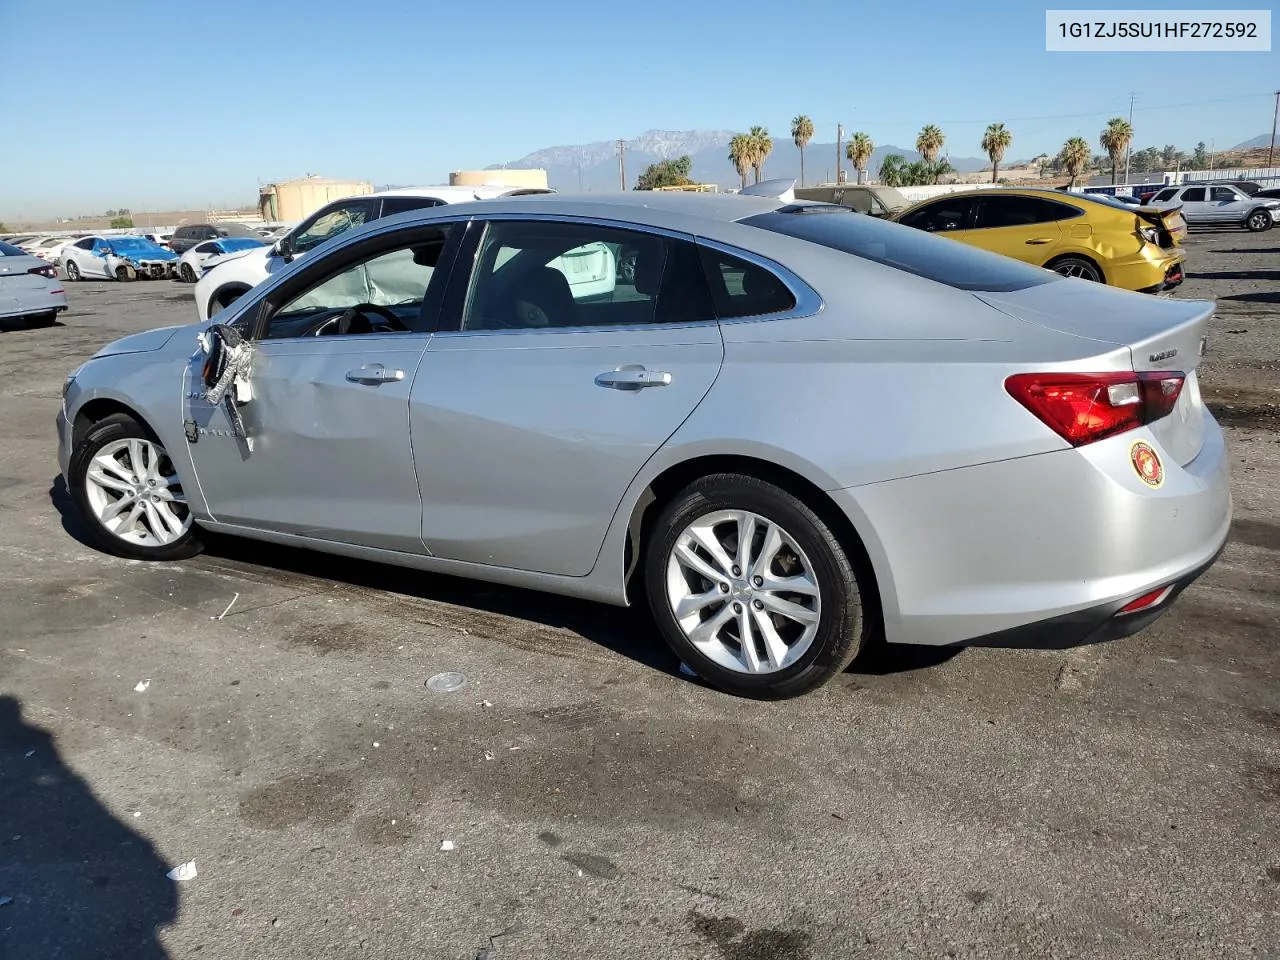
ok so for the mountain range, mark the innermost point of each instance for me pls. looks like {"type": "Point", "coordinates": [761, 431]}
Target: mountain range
{"type": "Point", "coordinates": [594, 166]}
{"type": "Point", "coordinates": [1263, 140]}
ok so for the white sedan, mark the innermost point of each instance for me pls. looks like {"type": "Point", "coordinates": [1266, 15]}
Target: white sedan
{"type": "Point", "coordinates": [48, 249]}
{"type": "Point", "coordinates": [29, 288]}
{"type": "Point", "coordinates": [193, 263]}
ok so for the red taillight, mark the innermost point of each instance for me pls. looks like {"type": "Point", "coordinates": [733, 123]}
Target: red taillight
{"type": "Point", "coordinates": [1085, 407]}
{"type": "Point", "coordinates": [49, 272]}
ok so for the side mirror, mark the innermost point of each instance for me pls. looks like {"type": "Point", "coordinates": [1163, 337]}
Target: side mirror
{"type": "Point", "coordinates": [282, 249]}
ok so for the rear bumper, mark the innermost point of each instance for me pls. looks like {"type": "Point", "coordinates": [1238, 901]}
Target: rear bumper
{"type": "Point", "coordinates": [1149, 271]}
{"type": "Point", "coordinates": [1042, 547]}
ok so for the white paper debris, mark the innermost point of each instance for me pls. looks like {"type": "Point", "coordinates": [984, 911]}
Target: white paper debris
{"type": "Point", "coordinates": [228, 610]}
{"type": "Point", "coordinates": [484, 703]}
{"type": "Point", "coordinates": [376, 744]}
{"type": "Point", "coordinates": [137, 813]}
{"type": "Point", "coordinates": [446, 845]}
{"type": "Point", "coordinates": [186, 871]}
{"type": "Point", "coordinates": [142, 685]}
{"type": "Point", "coordinates": [488, 755]}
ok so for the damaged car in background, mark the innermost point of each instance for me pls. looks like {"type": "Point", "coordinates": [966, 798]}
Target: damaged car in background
{"type": "Point", "coordinates": [712, 438]}
{"type": "Point", "coordinates": [118, 258]}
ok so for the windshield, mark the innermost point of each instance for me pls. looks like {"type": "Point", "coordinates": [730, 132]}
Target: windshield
{"type": "Point", "coordinates": [914, 251]}
{"type": "Point", "coordinates": [232, 244]}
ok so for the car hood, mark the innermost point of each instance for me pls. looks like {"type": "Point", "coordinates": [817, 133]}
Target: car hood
{"type": "Point", "coordinates": [143, 342]}
{"type": "Point", "coordinates": [160, 254]}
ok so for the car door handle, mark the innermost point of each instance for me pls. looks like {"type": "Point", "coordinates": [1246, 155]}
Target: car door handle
{"type": "Point", "coordinates": [633, 378]}
{"type": "Point", "coordinates": [373, 373]}
{"type": "Point", "coordinates": [1035, 240]}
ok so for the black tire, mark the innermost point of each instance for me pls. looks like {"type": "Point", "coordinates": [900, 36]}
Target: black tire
{"type": "Point", "coordinates": [1078, 267]}
{"type": "Point", "coordinates": [73, 272]}
{"type": "Point", "coordinates": [125, 274]}
{"type": "Point", "coordinates": [1258, 220]}
{"type": "Point", "coordinates": [186, 274]}
{"type": "Point", "coordinates": [109, 430]}
{"type": "Point", "coordinates": [842, 630]}
{"type": "Point", "coordinates": [225, 298]}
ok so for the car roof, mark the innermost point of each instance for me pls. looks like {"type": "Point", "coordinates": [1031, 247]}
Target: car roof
{"type": "Point", "coordinates": [457, 194]}
{"type": "Point", "coordinates": [639, 206]}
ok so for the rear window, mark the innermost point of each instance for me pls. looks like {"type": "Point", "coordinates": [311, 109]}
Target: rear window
{"type": "Point", "coordinates": [914, 251]}
{"type": "Point", "coordinates": [9, 250]}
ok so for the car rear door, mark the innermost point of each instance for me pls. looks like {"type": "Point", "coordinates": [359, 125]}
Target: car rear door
{"type": "Point", "coordinates": [540, 399]}
{"type": "Point", "coordinates": [1025, 228]}
{"type": "Point", "coordinates": [1195, 205]}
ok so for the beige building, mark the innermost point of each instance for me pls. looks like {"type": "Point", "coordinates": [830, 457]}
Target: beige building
{"type": "Point", "coordinates": [506, 178]}
{"type": "Point", "coordinates": [294, 199]}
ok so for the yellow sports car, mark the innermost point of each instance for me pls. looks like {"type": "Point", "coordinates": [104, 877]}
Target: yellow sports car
{"type": "Point", "coordinates": [1078, 235]}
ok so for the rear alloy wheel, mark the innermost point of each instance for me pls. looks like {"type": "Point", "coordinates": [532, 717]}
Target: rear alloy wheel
{"type": "Point", "coordinates": [130, 496]}
{"type": "Point", "coordinates": [1258, 221]}
{"type": "Point", "coordinates": [1077, 267]}
{"type": "Point", "coordinates": [186, 273]}
{"type": "Point", "coordinates": [752, 590]}
{"type": "Point", "coordinates": [73, 272]}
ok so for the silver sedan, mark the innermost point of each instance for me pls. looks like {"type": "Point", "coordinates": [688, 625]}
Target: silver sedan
{"type": "Point", "coordinates": [793, 430]}
{"type": "Point", "coordinates": [30, 290]}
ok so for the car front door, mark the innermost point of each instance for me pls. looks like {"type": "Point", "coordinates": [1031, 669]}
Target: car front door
{"type": "Point", "coordinates": [325, 450]}
{"type": "Point", "coordinates": [1227, 205]}
{"type": "Point", "coordinates": [556, 383]}
{"type": "Point", "coordinates": [946, 215]}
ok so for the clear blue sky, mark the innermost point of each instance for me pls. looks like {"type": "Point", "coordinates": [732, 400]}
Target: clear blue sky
{"type": "Point", "coordinates": [163, 105]}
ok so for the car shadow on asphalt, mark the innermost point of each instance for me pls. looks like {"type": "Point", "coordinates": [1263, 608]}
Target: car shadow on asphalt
{"type": "Point", "coordinates": [16, 325]}
{"type": "Point", "coordinates": [75, 882]}
{"type": "Point", "coordinates": [627, 631]}
{"type": "Point", "coordinates": [1239, 275]}
{"type": "Point", "coordinates": [1266, 296]}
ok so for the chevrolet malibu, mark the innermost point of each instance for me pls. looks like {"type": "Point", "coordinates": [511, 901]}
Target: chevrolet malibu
{"type": "Point", "coordinates": [795, 432]}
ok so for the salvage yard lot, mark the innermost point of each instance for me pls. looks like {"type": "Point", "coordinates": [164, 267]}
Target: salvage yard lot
{"type": "Point", "coordinates": [1119, 800]}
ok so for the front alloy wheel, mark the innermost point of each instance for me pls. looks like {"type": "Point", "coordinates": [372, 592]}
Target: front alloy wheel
{"type": "Point", "coordinates": [1258, 221]}
{"type": "Point", "coordinates": [752, 589]}
{"type": "Point", "coordinates": [129, 493]}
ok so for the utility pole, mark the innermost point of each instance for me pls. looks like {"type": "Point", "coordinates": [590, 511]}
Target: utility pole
{"type": "Point", "coordinates": [1128, 152]}
{"type": "Point", "coordinates": [839, 148]}
{"type": "Point", "coordinates": [1271, 150]}
{"type": "Point", "coordinates": [1211, 153]}
{"type": "Point", "coordinates": [622, 165]}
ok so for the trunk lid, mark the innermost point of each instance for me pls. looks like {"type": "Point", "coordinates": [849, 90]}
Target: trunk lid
{"type": "Point", "coordinates": [1159, 334]}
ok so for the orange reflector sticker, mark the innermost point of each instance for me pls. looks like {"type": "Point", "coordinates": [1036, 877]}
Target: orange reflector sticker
{"type": "Point", "coordinates": [1147, 462]}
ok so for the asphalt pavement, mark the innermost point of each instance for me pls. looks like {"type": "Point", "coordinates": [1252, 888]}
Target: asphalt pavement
{"type": "Point", "coordinates": [578, 797]}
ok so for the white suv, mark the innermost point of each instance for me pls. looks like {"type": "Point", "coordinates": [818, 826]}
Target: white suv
{"type": "Point", "coordinates": [229, 277]}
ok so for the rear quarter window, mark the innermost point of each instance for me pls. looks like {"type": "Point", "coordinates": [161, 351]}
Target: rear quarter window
{"type": "Point", "coordinates": [917, 252]}
{"type": "Point", "coordinates": [9, 250]}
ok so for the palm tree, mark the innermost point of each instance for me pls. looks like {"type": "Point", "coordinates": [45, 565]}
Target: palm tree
{"type": "Point", "coordinates": [762, 146]}
{"type": "Point", "coordinates": [801, 134]}
{"type": "Point", "coordinates": [1074, 157]}
{"type": "Point", "coordinates": [929, 142]}
{"type": "Point", "coordinates": [740, 155]}
{"type": "Point", "coordinates": [995, 142]}
{"type": "Point", "coordinates": [892, 170]}
{"type": "Point", "coordinates": [859, 150]}
{"type": "Point", "coordinates": [1115, 139]}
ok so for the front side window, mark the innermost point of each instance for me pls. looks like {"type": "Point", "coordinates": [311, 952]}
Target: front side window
{"type": "Point", "coordinates": [533, 275]}
{"type": "Point", "coordinates": [943, 216]}
{"type": "Point", "coordinates": [329, 223]}
{"type": "Point", "coordinates": [85, 244]}
{"type": "Point", "coordinates": [384, 293]}
{"type": "Point", "coordinates": [1194, 195]}
{"type": "Point", "coordinates": [1224, 193]}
